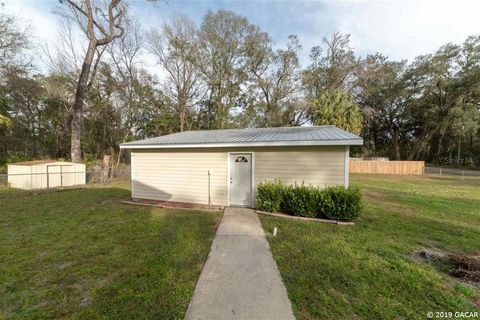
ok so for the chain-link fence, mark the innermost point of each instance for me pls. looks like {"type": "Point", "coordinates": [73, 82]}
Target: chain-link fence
{"type": "Point", "coordinates": [62, 179]}
{"type": "Point", "coordinates": [112, 175]}
{"type": "Point", "coordinates": [452, 172]}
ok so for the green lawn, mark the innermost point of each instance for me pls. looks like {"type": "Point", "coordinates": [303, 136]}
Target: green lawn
{"type": "Point", "coordinates": [366, 271]}
{"type": "Point", "coordinates": [82, 254]}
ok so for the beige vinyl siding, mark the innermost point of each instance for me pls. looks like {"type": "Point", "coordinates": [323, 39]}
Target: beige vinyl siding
{"type": "Point", "coordinates": [182, 174]}
{"type": "Point", "coordinates": [319, 166]}
{"type": "Point", "coordinates": [179, 175]}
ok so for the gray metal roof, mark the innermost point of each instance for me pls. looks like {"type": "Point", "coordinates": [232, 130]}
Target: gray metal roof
{"type": "Point", "coordinates": [282, 136]}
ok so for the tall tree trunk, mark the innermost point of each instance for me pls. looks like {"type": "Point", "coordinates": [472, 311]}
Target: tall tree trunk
{"type": "Point", "coordinates": [458, 151]}
{"type": "Point", "coordinates": [76, 125]}
{"type": "Point", "coordinates": [439, 149]}
{"type": "Point", "coordinates": [182, 108]}
{"type": "Point", "coordinates": [182, 120]}
{"type": "Point", "coordinates": [396, 144]}
{"type": "Point", "coordinates": [34, 145]}
{"type": "Point", "coordinates": [419, 145]}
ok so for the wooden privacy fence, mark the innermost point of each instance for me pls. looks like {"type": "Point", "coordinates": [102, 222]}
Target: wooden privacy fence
{"type": "Point", "coordinates": [387, 167]}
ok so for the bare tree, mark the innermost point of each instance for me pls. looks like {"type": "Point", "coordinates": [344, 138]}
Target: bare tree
{"type": "Point", "coordinates": [102, 22]}
{"type": "Point", "coordinates": [332, 67]}
{"type": "Point", "coordinates": [174, 47]}
{"type": "Point", "coordinates": [124, 55]}
{"type": "Point", "coordinates": [225, 39]}
{"type": "Point", "coordinates": [66, 54]}
{"type": "Point", "coordinates": [13, 38]}
{"type": "Point", "coordinates": [276, 75]}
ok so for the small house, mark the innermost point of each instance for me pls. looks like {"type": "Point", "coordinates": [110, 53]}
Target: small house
{"type": "Point", "coordinates": [223, 167]}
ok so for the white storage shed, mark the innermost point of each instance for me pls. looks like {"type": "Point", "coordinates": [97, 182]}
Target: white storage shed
{"type": "Point", "coordinates": [44, 174]}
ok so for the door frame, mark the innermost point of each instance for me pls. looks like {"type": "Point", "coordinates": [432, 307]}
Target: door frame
{"type": "Point", "coordinates": [252, 178]}
{"type": "Point", "coordinates": [61, 173]}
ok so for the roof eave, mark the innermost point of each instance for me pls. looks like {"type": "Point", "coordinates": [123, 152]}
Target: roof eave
{"type": "Point", "coordinates": [351, 142]}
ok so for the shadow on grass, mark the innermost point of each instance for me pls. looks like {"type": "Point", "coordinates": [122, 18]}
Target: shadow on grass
{"type": "Point", "coordinates": [81, 253]}
{"type": "Point", "coordinates": [366, 271]}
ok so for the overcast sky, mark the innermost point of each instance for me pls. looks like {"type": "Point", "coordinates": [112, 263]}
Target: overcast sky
{"type": "Point", "coordinates": [400, 29]}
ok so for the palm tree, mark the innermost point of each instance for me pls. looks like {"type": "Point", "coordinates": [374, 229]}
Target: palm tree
{"type": "Point", "coordinates": [338, 109]}
{"type": "Point", "coordinates": [5, 122]}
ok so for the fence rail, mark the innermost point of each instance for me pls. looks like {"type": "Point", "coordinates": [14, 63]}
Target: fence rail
{"type": "Point", "coordinates": [100, 176]}
{"type": "Point", "coordinates": [451, 172]}
{"type": "Point", "coordinates": [387, 167]}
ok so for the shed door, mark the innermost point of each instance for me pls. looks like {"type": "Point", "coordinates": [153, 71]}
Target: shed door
{"type": "Point", "coordinates": [54, 176]}
{"type": "Point", "coordinates": [241, 180]}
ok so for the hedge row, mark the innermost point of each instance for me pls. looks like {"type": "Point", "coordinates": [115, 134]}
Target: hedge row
{"type": "Point", "coordinates": [336, 203]}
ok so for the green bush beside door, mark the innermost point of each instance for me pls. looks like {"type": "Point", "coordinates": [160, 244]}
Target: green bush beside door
{"type": "Point", "coordinates": [336, 203]}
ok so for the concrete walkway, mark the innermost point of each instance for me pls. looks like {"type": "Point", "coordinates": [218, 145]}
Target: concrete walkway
{"type": "Point", "coordinates": [240, 279]}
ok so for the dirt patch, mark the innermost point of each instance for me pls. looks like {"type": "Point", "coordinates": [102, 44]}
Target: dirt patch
{"type": "Point", "coordinates": [172, 204]}
{"type": "Point", "coordinates": [430, 255]}
{"type": "Point", "coordinates": [465, 266]}
{"type": "Point", "coordinates": [459, 265]}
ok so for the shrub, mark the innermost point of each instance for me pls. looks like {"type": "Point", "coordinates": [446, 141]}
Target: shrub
{"type": "Point", "coordinates": [269, 196]}
{"type": "Point", "coordinates": [301, 201]}
{"type": "Point", "coordinates": [337, 203]}
{"type": "Point", "coordinates": [343, 204]}
{"type": "Point", "coordinates": [324, 204]}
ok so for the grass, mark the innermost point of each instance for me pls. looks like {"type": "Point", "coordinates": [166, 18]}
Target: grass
{"type": "Point", "coordinates": [367, 271]}
{"type": "Point", "coordinates": [82, 254]}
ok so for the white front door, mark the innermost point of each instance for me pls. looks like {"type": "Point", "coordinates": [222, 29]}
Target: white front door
{"type": "Point", "coordinates": [241, 179]}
